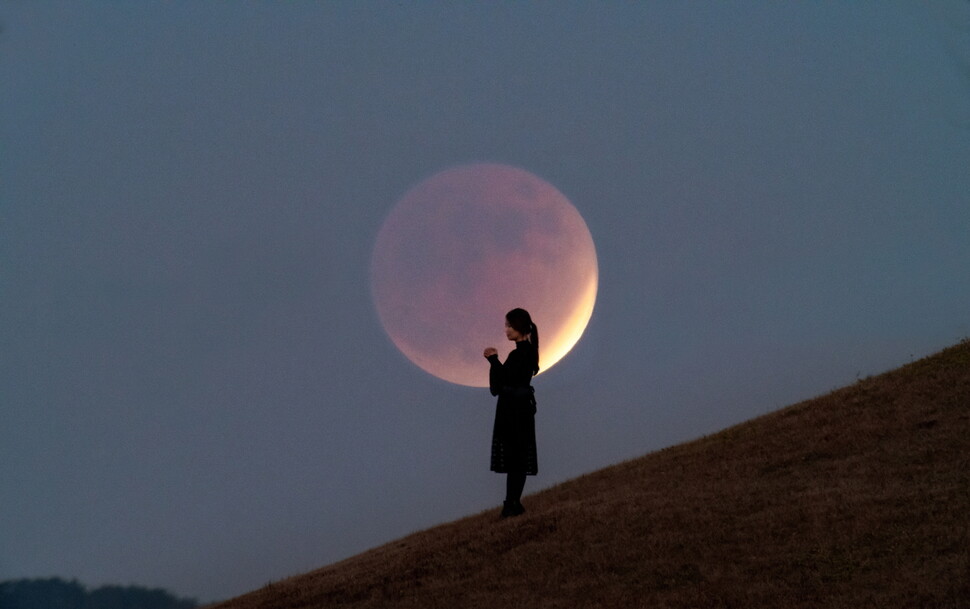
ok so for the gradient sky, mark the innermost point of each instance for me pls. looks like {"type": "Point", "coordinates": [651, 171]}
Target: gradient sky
{"type": "Point", "coordinates": [195, 390]}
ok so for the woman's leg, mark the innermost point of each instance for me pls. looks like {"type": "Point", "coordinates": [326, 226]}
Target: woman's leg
{"type": "Point", "coordinates": [514, 485]}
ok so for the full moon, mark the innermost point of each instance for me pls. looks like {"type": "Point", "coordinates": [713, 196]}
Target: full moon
{"type": "Point", "coordinates": [467, 245]}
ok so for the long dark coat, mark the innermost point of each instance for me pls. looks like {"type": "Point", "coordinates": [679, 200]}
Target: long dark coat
{"type": "Point", "coordinates": [514, 434]}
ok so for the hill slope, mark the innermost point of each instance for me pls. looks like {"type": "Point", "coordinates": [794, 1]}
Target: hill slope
{"type": "Point", "coordinates": [859, 498]}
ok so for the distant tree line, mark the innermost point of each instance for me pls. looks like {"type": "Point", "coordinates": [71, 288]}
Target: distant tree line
{"type": "Point", "coordinates": [55, 593]}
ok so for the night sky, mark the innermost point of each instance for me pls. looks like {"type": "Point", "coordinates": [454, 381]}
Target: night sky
{"type": "Point", "coordinates": [196, 391]}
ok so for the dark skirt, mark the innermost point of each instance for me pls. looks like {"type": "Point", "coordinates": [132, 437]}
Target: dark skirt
{"type": "Point", "coordinates": [514, 436]}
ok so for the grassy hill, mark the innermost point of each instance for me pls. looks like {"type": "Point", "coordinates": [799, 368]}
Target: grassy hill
{"type": "Point", "coordinates": [859, 498]}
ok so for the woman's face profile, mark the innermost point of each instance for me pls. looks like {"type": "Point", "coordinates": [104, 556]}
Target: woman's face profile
{"type": "Point", "coordinates": [512, 334]}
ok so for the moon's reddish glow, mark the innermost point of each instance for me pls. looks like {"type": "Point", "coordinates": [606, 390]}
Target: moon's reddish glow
{"type": "Point", "coordinates": [465, 246]}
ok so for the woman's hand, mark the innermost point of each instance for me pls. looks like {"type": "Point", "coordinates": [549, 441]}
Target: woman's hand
{"type": "Point", "coordinates": [490, 351]}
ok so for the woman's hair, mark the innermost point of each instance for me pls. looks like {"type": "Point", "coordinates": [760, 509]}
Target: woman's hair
{"type": "Point", "coordinates": [521, 321]}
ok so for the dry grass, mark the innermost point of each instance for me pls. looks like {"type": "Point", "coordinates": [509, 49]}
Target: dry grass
{"type": "Point", "coordinates": [860, 498]}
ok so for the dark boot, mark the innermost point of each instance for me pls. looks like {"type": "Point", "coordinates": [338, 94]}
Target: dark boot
{"type": "Point", "coordinates": [511, 508]}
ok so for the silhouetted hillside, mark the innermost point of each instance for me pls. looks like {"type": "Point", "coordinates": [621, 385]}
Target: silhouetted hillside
{"type": "Point", "coordinates": [859, 498]}
{"type": "Point", "coordinates": [55, 593]}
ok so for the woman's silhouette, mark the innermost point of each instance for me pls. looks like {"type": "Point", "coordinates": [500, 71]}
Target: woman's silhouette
{"type": "Point", "coordinates": [514, 434]}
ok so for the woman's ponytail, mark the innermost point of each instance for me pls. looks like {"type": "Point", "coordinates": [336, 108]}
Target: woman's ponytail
{"type": "Point", "coordinates": [534, 332]}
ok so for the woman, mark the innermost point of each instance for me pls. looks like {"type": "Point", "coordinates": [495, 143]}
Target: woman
{"type": "Point", "coordinates": [514, 434]}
